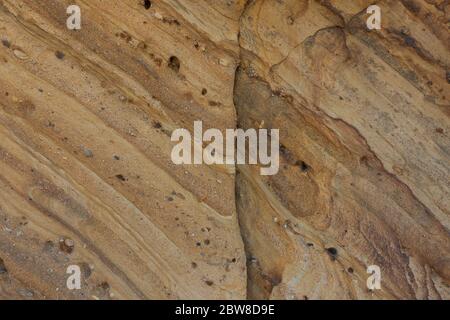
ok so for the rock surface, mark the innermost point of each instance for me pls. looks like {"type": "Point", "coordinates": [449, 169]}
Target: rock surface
{"type": "Point", "coordinates": [86, 176]}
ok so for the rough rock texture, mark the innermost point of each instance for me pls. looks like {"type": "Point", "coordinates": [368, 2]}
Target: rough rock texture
{"type": "Point", "coordinates": [86, 176]}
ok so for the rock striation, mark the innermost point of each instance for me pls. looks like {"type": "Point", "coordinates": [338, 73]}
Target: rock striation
{"type": "Point", "coordinates": [86, 176]}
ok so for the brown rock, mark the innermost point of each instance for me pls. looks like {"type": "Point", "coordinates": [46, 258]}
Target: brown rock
{"type": "Point", "coordinates": [363, 170]}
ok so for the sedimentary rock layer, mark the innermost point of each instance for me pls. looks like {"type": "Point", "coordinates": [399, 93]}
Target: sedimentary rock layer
{"type": "Point", "coordinates": [86, 176]}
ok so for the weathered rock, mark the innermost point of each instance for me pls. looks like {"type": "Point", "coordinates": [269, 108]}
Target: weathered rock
{"type": "Point", "coordinates": [363, 118]}
{"type": "Point", "coordinates": [120, 85]}
{"type": "Point", "coordinates": [360, 108]}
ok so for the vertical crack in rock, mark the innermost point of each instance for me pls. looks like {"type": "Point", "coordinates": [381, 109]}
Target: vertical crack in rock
{"type": "Point", "coordinates": [259, 282]}
{"type": "Point", "coordinates": [237, 183]}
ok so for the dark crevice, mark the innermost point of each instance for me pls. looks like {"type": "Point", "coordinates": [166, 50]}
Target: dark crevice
{"type": "Point", "coordinates": [237, 188]}
{"type": "Point", "coordinates": [147, 4]}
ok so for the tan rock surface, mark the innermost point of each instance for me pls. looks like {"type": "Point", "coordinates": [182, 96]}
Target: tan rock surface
{"type": "Point", "coordinates": [86, 175]}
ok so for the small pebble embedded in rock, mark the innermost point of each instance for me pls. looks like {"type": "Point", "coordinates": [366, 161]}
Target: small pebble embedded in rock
{"type": "Point", "coordinates": [88, 153]}
{"type": "Point", "coordinates": [66, 245]}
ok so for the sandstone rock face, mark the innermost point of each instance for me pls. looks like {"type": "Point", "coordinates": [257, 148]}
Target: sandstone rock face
{"type": "Point", "coordinates": [86, 176]}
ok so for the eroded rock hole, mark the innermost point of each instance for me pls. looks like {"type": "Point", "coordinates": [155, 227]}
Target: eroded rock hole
{"type": "Point", "coordinates": [174, 63]}
{"type": "Point", "coordinates": [2, 267]}
{"type": "Point", "coordinates": [60, 55]}
{"type": "Point", "coordinates": [304, 166]}
{"type": "Point", "coordinates": [333, 253]}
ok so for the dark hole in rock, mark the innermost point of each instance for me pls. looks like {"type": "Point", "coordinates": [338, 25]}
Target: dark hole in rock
{"type": "Point", "coordinates": [60, 55]}
{"type": "Point", "coordinates": [332, 252]}
{"type": "Point", "coordinates": [147, 4]}
{"type": "Point", "coordinates": [204, 92]}
{"type": "Point", "coordinates": [209, 282]}
{"type": "Point", "coordinates": [2, 267]}
{"type": "Point", "coordinates": [121, 177]}
{"type": "Point", "coordinates": [6, 43]}
{"type": "Point", "coordinates": [157, 125]}
{"type": "Point", "coordinates": [303, 166]}
{"type": "Point", "coordinates": [174, 63]}
{"type": "Point", "coordinates": [350, 270]}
